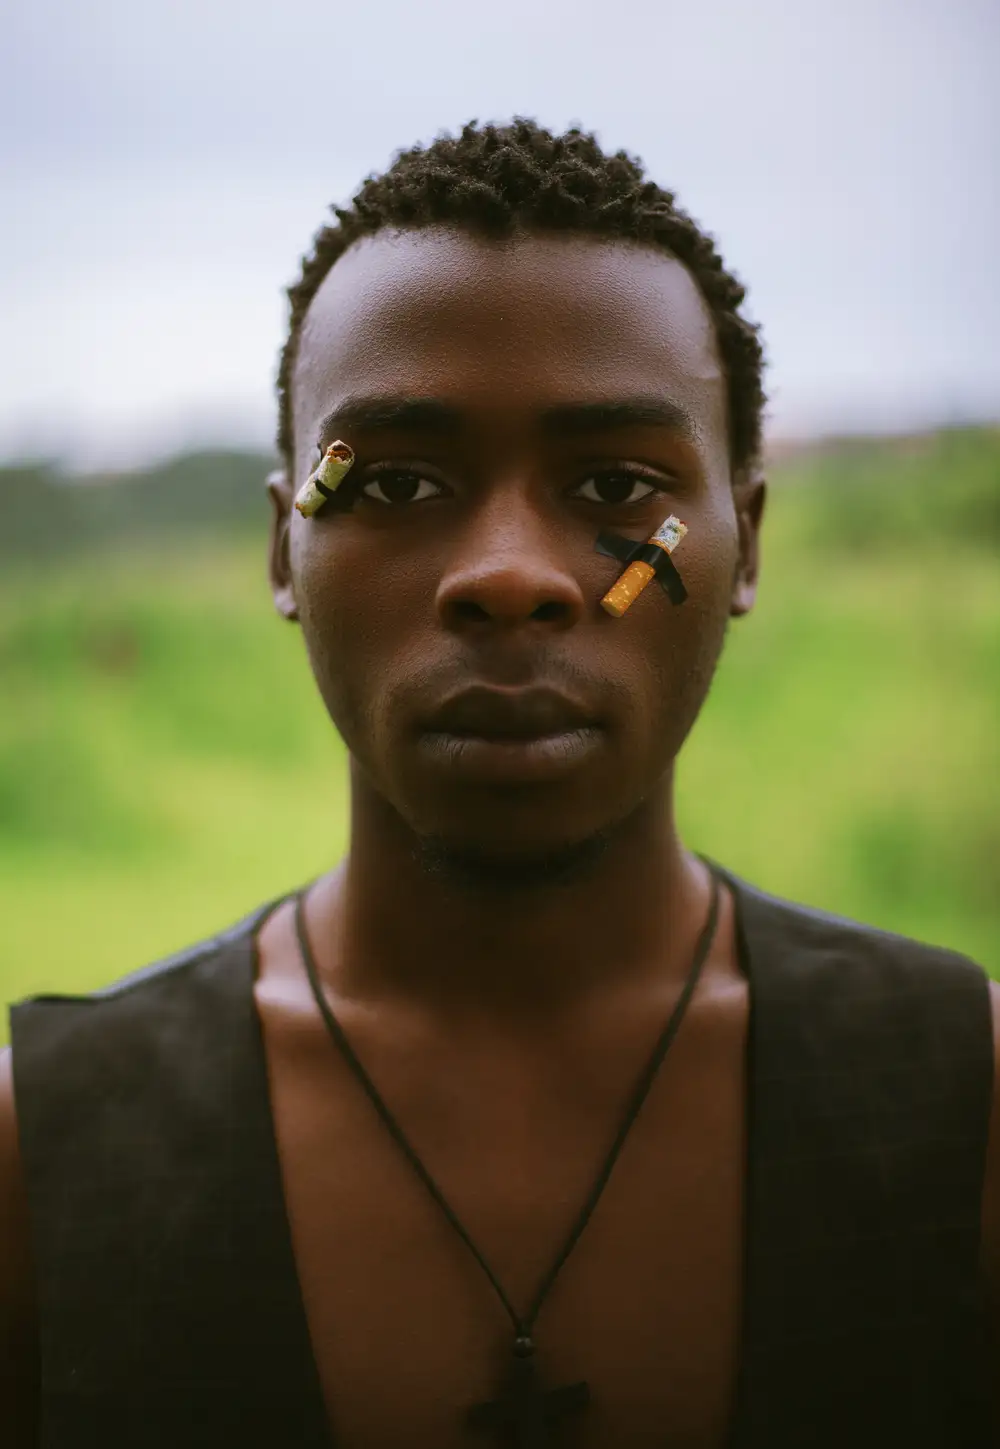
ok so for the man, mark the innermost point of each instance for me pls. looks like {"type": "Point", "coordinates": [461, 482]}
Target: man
{"type": "Point", "coordinates": [523, 1125]}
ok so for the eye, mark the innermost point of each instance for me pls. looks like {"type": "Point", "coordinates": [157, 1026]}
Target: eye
{"type": "Point", "coordinates": [616, 487]}
{"type": "Point", "coordinates": [396, 485]}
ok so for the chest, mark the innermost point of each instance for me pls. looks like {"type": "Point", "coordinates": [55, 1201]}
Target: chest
{"type": "Point", "coordinates": [406, 1329]}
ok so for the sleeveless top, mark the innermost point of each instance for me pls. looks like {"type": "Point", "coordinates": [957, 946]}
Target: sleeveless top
{"type": "Point", "coordinates": [169, 1307]}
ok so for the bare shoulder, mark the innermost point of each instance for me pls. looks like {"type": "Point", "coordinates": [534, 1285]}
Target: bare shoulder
{"type": "Point", "coordinates": [18, 1336]}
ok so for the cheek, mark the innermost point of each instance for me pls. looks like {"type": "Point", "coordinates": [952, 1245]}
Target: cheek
{"type": "Point", "coordinates": [709, 566]}
{"type": "Point", "coordinates": [358, 621]}
{"type": "Point", "coordinates": [683, 642]}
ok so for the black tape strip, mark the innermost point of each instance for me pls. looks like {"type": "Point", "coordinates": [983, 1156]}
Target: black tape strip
{"type": "Point", "coordinates": [615, 545]}
{"type": "Point", "coordinates": [342, 498]}
{"type": "Point", "coordinates": [670, 580]}
{"type": "Point", "coordinates": [649, 553]}
{"type": "Point", "coordinates": [626, 551]}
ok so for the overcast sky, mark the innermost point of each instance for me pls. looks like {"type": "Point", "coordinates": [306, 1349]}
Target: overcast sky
{"type": "Point", "coordinates": [164, 164]}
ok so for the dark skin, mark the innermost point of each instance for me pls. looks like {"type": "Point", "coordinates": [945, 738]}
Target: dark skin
{"type": "Point", "coordinates": [576, 385]}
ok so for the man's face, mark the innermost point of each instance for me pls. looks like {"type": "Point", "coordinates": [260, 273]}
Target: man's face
{"type": "Point", "coordinates": [505, 402]}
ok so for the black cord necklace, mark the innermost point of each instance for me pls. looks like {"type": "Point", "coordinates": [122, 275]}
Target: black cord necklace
{"type": "Point", "coordinates": [524, 1408]}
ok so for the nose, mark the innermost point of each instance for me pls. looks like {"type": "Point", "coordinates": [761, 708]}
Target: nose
{"type": "Point", "coordinates": [509, 571]}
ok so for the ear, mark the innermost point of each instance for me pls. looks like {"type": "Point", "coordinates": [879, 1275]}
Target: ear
{"type": "Point", "coordinates": [280, 493]}
{"type": "Point", "coordinates": [749, 494]}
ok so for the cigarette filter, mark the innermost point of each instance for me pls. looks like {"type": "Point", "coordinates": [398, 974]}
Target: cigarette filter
{"type": "Point", "coordinates": [325, 479]}
{"type": "Point", "coordinates": [623, 594]}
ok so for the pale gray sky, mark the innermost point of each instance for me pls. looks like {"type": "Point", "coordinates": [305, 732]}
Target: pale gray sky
{"type": "Point", "coordinates": [164, 164]}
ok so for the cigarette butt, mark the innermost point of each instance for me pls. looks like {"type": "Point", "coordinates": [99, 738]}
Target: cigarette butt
{"type": "Point", "coordinates": [325, 479]}
{"type": "Point", "coordinates": [623, 594]}
{"type": "Point", "coordinates": [309, 499]}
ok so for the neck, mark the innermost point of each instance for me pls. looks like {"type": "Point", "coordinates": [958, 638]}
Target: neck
{"type": "Point", "coordinates": [405, 919]}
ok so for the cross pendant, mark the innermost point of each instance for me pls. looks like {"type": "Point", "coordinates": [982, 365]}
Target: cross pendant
{"type": "Point", "coordinates": [524, 1409]}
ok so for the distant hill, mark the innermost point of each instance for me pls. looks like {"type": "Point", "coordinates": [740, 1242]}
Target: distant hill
{"type": "Point", "coordinates": [45, 513]}
{"type": "Point", "coordinates": [909, 490]}
{"type": "Point", "coordinates": [921, 490]}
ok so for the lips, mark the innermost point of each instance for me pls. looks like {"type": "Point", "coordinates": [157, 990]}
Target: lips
{"type": "Point", "coordinates": [493, 714]}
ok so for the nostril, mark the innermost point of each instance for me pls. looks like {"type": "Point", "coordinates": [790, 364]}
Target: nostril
{"type": "Point", "coordinates": [549, 613]}
{"type": "Point", "coordinates": [466, 611]}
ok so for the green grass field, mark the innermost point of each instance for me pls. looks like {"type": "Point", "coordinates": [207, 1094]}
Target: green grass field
{"type": "Point", "coordinates": [165, 765]}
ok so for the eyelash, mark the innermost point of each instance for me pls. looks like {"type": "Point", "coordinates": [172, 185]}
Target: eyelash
{"type": "Point", "coordinates": [655, 482]}
{"type": "Point", "coordinates": [378, 471]}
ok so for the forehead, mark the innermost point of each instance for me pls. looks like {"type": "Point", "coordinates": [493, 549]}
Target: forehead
{"type": "Point", "coordinates": [507, 329]}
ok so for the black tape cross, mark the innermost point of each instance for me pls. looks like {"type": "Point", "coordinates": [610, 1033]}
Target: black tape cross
{"type": "Point", "coordinates": [626, 551]}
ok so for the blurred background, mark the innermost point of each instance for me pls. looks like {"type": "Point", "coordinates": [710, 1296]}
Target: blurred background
{"type": "Point", "coordinates": [164, 764]}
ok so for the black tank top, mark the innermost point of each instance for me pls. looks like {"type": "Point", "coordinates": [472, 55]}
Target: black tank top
{"type": "Point", "coordinates": [170, 1311]}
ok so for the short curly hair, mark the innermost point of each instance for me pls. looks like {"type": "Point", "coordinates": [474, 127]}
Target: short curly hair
{"type": "Point", "coordinates": [493, 180]}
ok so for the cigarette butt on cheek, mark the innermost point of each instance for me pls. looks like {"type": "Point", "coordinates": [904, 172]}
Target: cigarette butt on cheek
{"type": "Point", "coordinates": [623, 594]}
{"type": "Point", "coordinates": [643, 562]}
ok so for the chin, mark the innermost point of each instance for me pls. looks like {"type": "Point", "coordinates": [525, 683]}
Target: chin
{"type": "Point", "coordinates": [510, 821]}
{"type": "Point", "coordinates": [518, 840]}
{"type": "Point", "coordinates": [511, 866]}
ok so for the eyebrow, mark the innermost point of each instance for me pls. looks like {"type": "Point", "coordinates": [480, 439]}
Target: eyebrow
{"type": "Point", "coordinates": [574, 419]}
{"type": "Point", "coordinates": [380, 414]}
{"type": "Point", "coordinates": [567, 420]}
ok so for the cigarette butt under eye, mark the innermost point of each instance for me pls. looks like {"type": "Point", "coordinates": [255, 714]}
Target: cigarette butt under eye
{"type": "Point", "coordinates": [623, 594]}
{"type": "Point", "coordinates": [325, 479]}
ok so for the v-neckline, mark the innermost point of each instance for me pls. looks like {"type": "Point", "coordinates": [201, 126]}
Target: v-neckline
{"type": "Point", "coordinates": [317, 1411]}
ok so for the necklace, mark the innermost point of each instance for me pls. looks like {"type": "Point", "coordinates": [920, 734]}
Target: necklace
{"type": "Point", "coordinates": [523, 1408]}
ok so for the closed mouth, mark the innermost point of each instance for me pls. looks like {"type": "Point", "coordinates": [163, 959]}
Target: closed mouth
{"type": "Point", "coordinates": [486, 713]}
